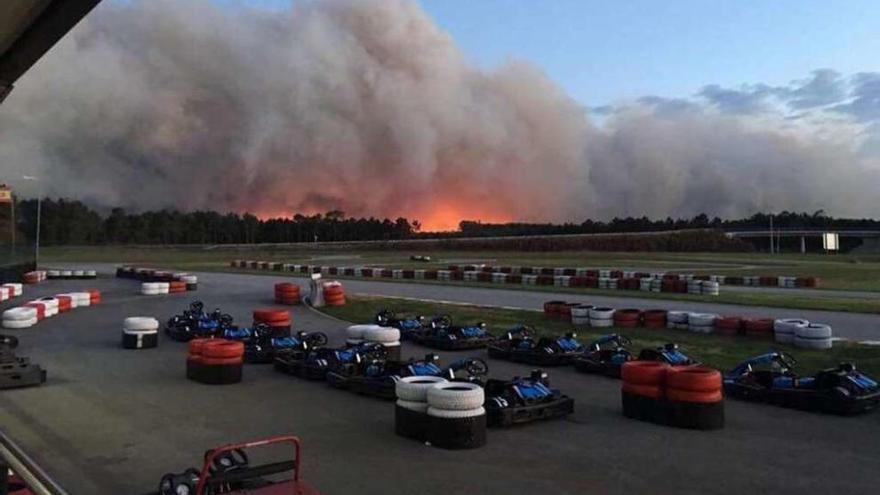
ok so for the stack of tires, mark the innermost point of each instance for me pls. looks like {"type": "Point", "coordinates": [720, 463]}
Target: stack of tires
{"type": "Point", "coordinates": [693, 394]}
{"type": "Point", "coordinates": [334, 294]}
{"type": "Point", "coordinates": [140, 332]}
{"type": "Point", "coordinates": [5, 293]}
{"type": "Point", "coordinates": [191, 281]}
{"type": "Point", "coordinates": [655, 318]}
{"type": "Point", "coordinates": [411, 408]}
{"type": "Point", "coordinates": [65, 303]}
{"type": "Point", "coordinates": [580, 314]}
{"type": "Point", "coordinates": [685, 396]}
{"type": "Point", "coordinates": [176, 287]}
{"type": "Point", "coordinates": [602, 317]}
{"type": "Point", "coordinates": [154, 288]}
{"type": "Point", "coordinates": [729, 325]}
{"type": "Point", "coordinates": [701, 322]}
{"type": "Point", "coordinates": [784, 329]}
{"type": "Point", "coordinates": [761, 328]}
{"type": "Point", "coordinates": [694, 287]}
{"type": "Point", "coordinates": [94, 296]}
{"type": "Point", "coordinates": [677, 320]}
{"type": "Point", "coordinates": [813, 336]}
{"type": "Point", "coordinates": [22, 317]}
{"type": "Point", "coordinates": [215, 361]}
{"type": "Point", "coordinates": [710, 288]}
{"type": "Point", "coordinates": [389, 337]}
{"type": "Point", "coordinates": [51, 305]}
{"type": "Point", "coordinates": [11, 290]}
{"type": "Point", "coordinates": [42, 309]}
{"type": "Point", "coordinates": [34, 277]}
{"type": "Point", "coordinates": [627, 318]}
{"type": "Point", "coordinates": [278, 320]}
{"type": "Point", "coordinates": [287, 293]}
{"type": "Point", "coordinates": [456, 417]}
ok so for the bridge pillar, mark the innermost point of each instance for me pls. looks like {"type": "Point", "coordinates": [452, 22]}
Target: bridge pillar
{"type": "Point", "coordinates": [803, 244]}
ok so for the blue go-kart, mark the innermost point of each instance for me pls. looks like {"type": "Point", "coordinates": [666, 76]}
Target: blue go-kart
{"type": "Point", "coordinates": [519, 345]}
{"type": "Point", "coordinates": [523, 400]}
{"type": "Point", "coordinates": [604, 356]}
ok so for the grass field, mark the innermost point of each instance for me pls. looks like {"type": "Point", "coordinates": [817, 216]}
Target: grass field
{"type": "Point", "coordinates": [845, 272]}
{"type": "Point", "coordinates": [720, 352]}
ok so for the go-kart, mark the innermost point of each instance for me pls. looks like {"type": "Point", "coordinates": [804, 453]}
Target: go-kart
{"type": "Point", "coordinates": [770, 378]}
{"type": "Point", "coordinates": [669, 354]}
{"type": "Point", "coordinates": [520, 346]}
{"type": "Point", "coordinates": [262, 347]}
{"type": "Point", "coordinates": [604, 356]}
{"type": "Point", "coordinates": [314, 363]}
{"type": "Point", "coordinates": [442, 334]}
{"type": "Point", "coordinates": [16, 372]}
{"type": "Point", "coordinates": [228, 470]}
{"type": "Point", "coordinates": [410, 325]}
{"type": "Point", "coordinates": [196, 323]}
{"type": "Point", "coordinates": [378, 377]}
{"type": "Point", "coordinates": [522, 400]}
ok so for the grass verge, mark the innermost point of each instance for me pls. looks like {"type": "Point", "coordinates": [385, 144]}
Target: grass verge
{"type": "Point", "coordinates": [721, 352]}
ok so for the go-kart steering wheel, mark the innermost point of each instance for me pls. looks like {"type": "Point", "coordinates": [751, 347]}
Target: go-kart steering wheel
{"type": "Point", "coordinates": [315, 339]}
{"type": "Point", "coordinates": [373, 352]}
{"type": "Point", "coordinates": [442, 321]}
{"type": "Point", "coordinates": [196, 307]}
{"type": "Point", "coordinates": [179, 484]}
{"type": "Point", "coordinates": [9, 341]}
{"type": "Point", "coordinates": [476, 367]}
{"type": "Point", "coordinates": [384, 316]}
{"type": "Point", "coordinates": [262, 331]}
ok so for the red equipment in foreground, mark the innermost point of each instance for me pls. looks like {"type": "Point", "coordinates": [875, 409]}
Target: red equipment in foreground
{"type": "Point", "coordinates": [244, 478]}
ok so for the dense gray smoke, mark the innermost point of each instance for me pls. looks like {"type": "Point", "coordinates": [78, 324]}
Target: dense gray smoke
{"type": "Point", "coordinates": [369, 108]}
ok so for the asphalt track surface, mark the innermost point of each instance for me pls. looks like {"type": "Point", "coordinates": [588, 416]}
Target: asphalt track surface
{"type": "Point", "coordinates": [112, 421]}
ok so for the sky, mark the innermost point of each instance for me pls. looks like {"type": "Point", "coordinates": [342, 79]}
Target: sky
{"type": "Point", "coordinates": [604, 52]}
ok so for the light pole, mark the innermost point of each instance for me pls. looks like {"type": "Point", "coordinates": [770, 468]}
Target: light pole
{"type": "Point", "coordinates": [39, 209]}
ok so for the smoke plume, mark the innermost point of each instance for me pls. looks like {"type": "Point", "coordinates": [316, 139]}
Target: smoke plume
{"type": "Point", "coordinates": [370, 108]}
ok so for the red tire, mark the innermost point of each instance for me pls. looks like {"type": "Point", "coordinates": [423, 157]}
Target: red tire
{"type": "Point", "coordinates": [655, 318]}
{"type": "Point", "coordinates": [652, 391]}
{"type": "Point", "coordinates": [270, 314]}
{"type": "Point", "coordinates": [758, 327]}
{"type": "Point", "coordinates": [221, 348]}
{"type": "Point", "coordinates": [730, 325]}
{"type": "Point", "coordinates": [675, 395]}
{"type": "Point", "coordinates": [195, 346]}
{"type": "Point", "coordinates": [693, 379]}
{"type": "Point", "coordinates": [644, 372]}
{"type": "Point", "coordinates": [64, 303]}
{"type": "Point", "coordinates": [40, 307]}
{"type": "Point", "coordinates": [209, 361]}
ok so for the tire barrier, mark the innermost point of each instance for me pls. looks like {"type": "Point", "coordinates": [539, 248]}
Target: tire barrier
{"type": "Point", "coordinates": [140, 332]}
{"type": "Point", "coordinates": [411, 408]}
{"type": "Point", "coordinates": [34, 277]}
{"type": "Point", "coordinates": [215, 361]}
{"type": "Point", "coordinates": [677, 320]}
{"type": "Point", "coordinates": [177, 281]}
{"type": "Point", "coordinates": [154, 288]}
{"type": "Point", "coordinates": [334, 294]}
{"type": "Point", "coordinates": [813, 336]}
{"type": "Point", "coordinates": [580, 314]}
{"type": "Point", "coordinates": [701, 322]}
{"type": "Point", "coordinates": [278, 320]}
{"type": "Point", "coordinates": [601, 317]}
{"type": "Point", "coordinates": [33, 312]}
{"type": "Point", "coordinates": [785, 329]}
{"type": "Point", "coordinates": [11, 290]}
{"type": "Point", "coordinates": [456, 417]}
{"type": "Point", "coordinates": [761, 328]}
{"type": "Point", "coordinates": [54, 273]}
{"type": "Point", "coordinates": [729, 325]}
{"type": "Point", "coordinates": [627, 318]}
{"type": "Point", "coordinates": [655, 318]}
{"type": "Point", "coordinates": [287, 293]}
{"type": "Point", "coordinates": [685, 396]}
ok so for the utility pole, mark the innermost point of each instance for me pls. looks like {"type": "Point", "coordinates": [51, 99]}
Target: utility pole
{"type": "Point", "coordinates": [39, 212]}
{"type": "Point", "coordinates": [771, 233]}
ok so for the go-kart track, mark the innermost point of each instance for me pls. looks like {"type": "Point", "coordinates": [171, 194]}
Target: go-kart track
{"type": "Point", "coordinates": [110, 420]}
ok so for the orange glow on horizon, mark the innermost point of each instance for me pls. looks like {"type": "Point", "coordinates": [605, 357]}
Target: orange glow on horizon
{"type": "Point", "coordinates": [444, 217]}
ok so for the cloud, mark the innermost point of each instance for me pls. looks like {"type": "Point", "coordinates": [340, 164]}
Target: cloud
{"type": "Point", "coordinates": [370, 108]}
{"type": "Point", "coordinates": [824, 88]}
{"type": "Point", "coordinates": [865, 103]}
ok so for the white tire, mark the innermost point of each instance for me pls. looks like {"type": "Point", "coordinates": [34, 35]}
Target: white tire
{"type": "Point", "coordinates": [189, 279]}
{"type": "Point", "coordinates": [812, 343]}
{"type": "Point", "coordinates": [701, 319]}
{"type": "Point", "coordinates": [163, 287]}
{"type": "Point", "coordinates": [354, 341]}
{"type": "Point", "coordinates": [784, 329]}
{"type": "Point", "coordinates": [581, 311]}
{"type": "Point", "coordinates": [79, 273]}
{"type": "Point", "coordinates": [457, 396]}
{"type": "Point", "coordinates": [138, 323]}
{"type": "Point", "coordinates": [22, 313]}
{"type": "Point", "coordinates": [601, 323]}
{"type": "Point", "coordinates": [415, 388]}
{"type": "Point", "coordinates": [20, 323]}
{"type": "Point", "coordinates": [357, 331]}
{"type": "Point", "coordinates": [15, 289]}
{"type": "Point", "coordinates": [150, 292]}
{"type": "Point", "coordinates": [82, 298]}
{"type": "Point", "coordinates": [420, 407]}
{"type": "Point", "coordinates": [601, 313]}
{"type": "Point", "coordinates": [455, 413]}
{"type": "Point", "coordinates": [677, 317]}
{"type": "Point", "coordinates": [814, 331]}
{"type": "Point", "coordinates": [90, 273]}
{"type": "Point", "coordinates": [382, 335]}
{"type": "Point", "coordinates": [53, 273]}
{"type": "Point", "coordinates": [66, 273]}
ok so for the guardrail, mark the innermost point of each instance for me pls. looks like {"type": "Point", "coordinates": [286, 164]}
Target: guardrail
{"type": "Point", "coordinates": [26, 468]}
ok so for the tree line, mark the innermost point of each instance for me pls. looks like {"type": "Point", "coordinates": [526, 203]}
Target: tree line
{"type": "Point", "coordinates": [72, 222]}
